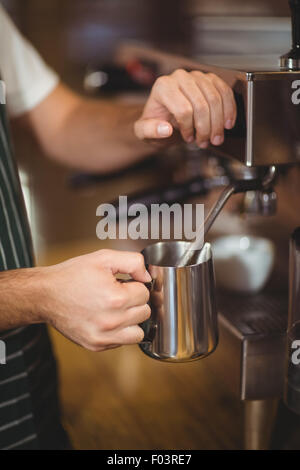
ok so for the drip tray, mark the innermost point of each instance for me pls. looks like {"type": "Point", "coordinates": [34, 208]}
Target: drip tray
{"type": "Point", "coordinates": [250, 357]}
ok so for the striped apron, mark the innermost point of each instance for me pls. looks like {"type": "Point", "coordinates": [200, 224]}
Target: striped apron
{"type": "Point", "coordinates": [29, 408]}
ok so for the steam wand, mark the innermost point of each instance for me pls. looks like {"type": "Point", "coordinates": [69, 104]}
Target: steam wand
{"type": "Point", "coordinates": [238, 186]}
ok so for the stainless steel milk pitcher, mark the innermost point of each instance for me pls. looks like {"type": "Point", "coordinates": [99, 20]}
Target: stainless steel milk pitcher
{"type": "Point", "coordinates": [183, 322]}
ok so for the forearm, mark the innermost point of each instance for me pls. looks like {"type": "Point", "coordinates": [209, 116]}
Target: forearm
{"type": "Point", "coordinates": [21, 298]}
{"type": "Point", "coordinates": [93, 135]}
{"type": "Point", "coordinates": [99, 136]}
{"type": "Point", "coordinates": [80, 298]}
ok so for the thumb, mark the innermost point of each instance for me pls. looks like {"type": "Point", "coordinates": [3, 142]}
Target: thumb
{"type": "Point", "coordinates": [152, 129]}
{"type": "Point", "coordinates": [125, 262]}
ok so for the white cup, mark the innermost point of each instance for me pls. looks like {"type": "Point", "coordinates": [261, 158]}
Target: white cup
{"type": "Point", "coordinates": [243, 263]}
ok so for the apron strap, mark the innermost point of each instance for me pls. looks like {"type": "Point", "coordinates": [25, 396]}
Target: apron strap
{"type": "Point", "coordinates": [15, 239]}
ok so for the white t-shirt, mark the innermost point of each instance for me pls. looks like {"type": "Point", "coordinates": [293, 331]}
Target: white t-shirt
{"type": "Point", "coordinates": [27, 78]}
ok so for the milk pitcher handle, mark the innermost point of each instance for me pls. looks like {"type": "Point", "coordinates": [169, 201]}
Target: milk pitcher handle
{"type": "Point", "coordinates": [149, 326]}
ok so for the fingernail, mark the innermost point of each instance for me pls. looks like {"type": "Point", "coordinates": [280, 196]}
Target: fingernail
{"type": "Point", "coordinates": [163, 130]}
{"type": "Point", "coordinates": [204, 145]}
{"type": "Point", "coordinates": [190, 139]}
{"type": "Point", "coordinates": [229, 124]}
{"type": "Point", "coordinates": [149, 278]}
{"type": "Point", "coordinates": [217, 140]}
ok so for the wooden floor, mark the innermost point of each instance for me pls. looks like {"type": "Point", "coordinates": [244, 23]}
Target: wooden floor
{"type": "Point", "coordinates": [121, 399]}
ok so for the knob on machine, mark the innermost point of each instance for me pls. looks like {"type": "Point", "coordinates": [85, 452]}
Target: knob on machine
{"type": "Point", "coordinates": [291, 60]}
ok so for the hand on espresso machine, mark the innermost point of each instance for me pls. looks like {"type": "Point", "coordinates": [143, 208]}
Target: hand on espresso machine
{"type": "Point", "coordinates": [198, 105]}
{"type": "Point", "coordinates": [85, 301]}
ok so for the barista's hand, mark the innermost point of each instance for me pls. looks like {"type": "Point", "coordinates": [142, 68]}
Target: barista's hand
{"type": "Point", "coordinates": [85, 302]}
{"type": "Point", "coordinates": [199, 105]}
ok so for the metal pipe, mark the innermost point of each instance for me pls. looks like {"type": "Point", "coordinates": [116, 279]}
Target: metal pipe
{"type": "Point", "coordinates": [211, 217]}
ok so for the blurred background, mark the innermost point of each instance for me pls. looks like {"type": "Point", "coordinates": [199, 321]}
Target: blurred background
{"type": "Point", "coordinates": [121, 399]}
